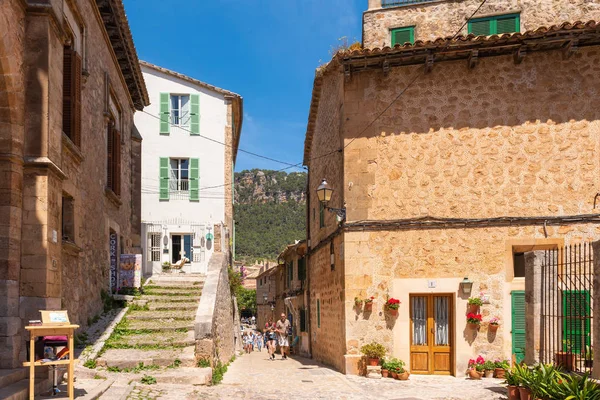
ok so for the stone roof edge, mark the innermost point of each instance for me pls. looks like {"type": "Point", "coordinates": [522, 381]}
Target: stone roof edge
{"type": "Point", "coordinates": [343, 57]}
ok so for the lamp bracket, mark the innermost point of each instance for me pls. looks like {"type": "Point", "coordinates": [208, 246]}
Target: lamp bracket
{"type": "Point", "coordinates": [341, 212]}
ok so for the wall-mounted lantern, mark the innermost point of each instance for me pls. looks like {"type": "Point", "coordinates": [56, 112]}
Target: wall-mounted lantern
{"type": "Point", "coordinates": [324, 192]}
{"type": "Point", "coordinates": [466, 286]}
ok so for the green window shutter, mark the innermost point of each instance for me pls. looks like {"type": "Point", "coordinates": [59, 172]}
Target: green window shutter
{"type": "Point", "coordinates": [508, 24]}
{"type": "Point", "coordinates": [576, 321]}
{"type": "Point", "coordinates": [403, 35]}
{"type": "Point", "coordinates": [318, 313]}
{"type": "Point", "coordinates": [165, 126]}
{"type": "Point", "coordinates": [194, 179]}
{"type": "Point", "coordinates": [302, 269]}
{"type": "Point", "coordinates": [480, 27]}
{"type": "Point", "coordinates": [164, 179]}
{"type": "Point", "coordinates": [518, 324]}
{"type": "Point", "coordinates": [303, 320]}
{"type": "Point", "coordinates": [195, 114]}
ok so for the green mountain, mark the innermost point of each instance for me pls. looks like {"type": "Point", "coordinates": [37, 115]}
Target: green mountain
{"type": "Point", "coordinates": [269, 212]}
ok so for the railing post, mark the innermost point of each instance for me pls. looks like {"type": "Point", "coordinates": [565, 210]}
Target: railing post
{"type": "Point", "coordinates": [374, 4]}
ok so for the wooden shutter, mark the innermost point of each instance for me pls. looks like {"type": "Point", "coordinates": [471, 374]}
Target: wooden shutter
{"type": "Point", "coordinates": [165, 126]}
{"type": "Point", "coordinates": [117, 162]}
{"type": "Point", "coordinates": [576, 320]}
{"type": "Point", "coordinates": [403, 35]}
{"type": "Point", "coordinates": [518, 324]}
{"type": "Point", "coordinates": [195, 114]}
{"type": "Point", "coordinates": [194, 179]}
{"type": "Point", "coordinates": [303, 320]}
{"type": "Point", "coordinates": [480, 28]}
{"type": "Point", "coordinates": [109, 154]}
{"type": "Point", "coordinates": [302, 269]}
{"type": "Point", "coordinates": [67, 92]}
{"type": "Point", "coordinates": [507, 24]}
{"type": "Point", "coordinates": [164, 179]}
{"type": "Point", "coordinates": [76, 99]}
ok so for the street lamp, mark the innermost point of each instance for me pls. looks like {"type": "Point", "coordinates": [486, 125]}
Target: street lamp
{"type": "Point", "coordinates": [265, 299]}
{"type": "Point", "coordinates": [467, 286]}
{"type": "Point", "coordinates": [324, 192]}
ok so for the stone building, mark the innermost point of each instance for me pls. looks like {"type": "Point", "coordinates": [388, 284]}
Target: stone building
{"type": "Point", "coordinates": [70, 83]}
{"type": "Point", "coordinates": [191, 135]}
{"type": "Point", "coordinates": [449, 158]}
{"type": "Point", "coordinates": [267, 288]}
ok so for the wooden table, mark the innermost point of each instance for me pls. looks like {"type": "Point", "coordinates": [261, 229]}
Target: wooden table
{"type": "Point", "coordinates": [45, 330]}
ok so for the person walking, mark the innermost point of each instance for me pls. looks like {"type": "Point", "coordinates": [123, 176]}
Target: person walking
{"type": "Point", "coordinates": [271, 341]}
{"type": "Point", "coordinates": [258, 342]}
{"type": "Point", "coordinates": [282, 327]}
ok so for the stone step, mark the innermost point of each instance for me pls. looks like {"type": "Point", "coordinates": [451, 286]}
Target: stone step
{"type": "Point", "coordinates": [186, 376]}
{"type": "Point", "coordinates": [184, 314]}
{"type": "Point", "coordinates": [160, 325]}
{"type": "Point", "coordinates": [118, 391]}
{"type": "Point", "coordinates": [10, 376]}
{"type": "Point", "coordinates": [20, 390]}
{"type": "Point", "coordinates": [188, 279]}
{"type": "Point", "coordinates": [162, 306]}
{"type": "Point", "coordinates": [131, 358]}
{"type": "Point", "coordinates": [173, 292]}
{"type": "Point", "coordinates": [159, 339]}
{"type": "Point", "coordinates": [171, 299]}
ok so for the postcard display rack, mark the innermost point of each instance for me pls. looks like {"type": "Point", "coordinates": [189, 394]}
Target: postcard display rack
{"type": "Point", "coordinates": [54, 323]}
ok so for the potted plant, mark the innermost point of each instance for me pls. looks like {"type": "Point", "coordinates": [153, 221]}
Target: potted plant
{"type": "Point", "coordinates": [166, 266]}
{"type": "Point", "coordinates": [513, 381]}
{"type": "Point", "coordinates": [501, 366]}
{"type": "Point", "coordinates": [403, 374]}
{"type": "Point", "coordinates": [358, 303]}
{"type": "Point", "coordinates": [473, 320]}
{"type": "Point", "coordinates": [392, 305]}
{"type": "Point", "coordinates": [374, 352]}
{"type": "Point", "coordinates": [473, 304]}
{"type": "Point", "coordinates": [393, 365]}
{"type": "Point", "coordinates": [385, 368]}
{"type": "Point", "coordinates": [526, 377]}
{"type": "Point", "coordinates": [565, 359]}
{"type": "Point", "coordinates": [475, 368]}
{"type": "Point", "coordinates": [494, 324]}
{"type": "Point", "coordinates": [589, 357]}
{"type": "Point", "coordinates": [369, 303]}
{"type": "Point", "coordinates": [489, 367]}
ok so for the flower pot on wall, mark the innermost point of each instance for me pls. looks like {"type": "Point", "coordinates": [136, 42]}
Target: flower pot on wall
{"type": "Point", "coordinates": [472, 308]}
{"type": "Point", "coordinates": [393, 312]}
{"type": "Point", "coordinates": [513, 392]}
{"type": "Point", "coordinates": [493, 328]}
{"type": "Point", "coordinates": [369, 306]}
{"type": "Point", "coordinates": [472, 326]}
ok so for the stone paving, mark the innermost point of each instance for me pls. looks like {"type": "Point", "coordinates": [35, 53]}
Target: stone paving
{"type": "Point", "coordinates": [254, 376]}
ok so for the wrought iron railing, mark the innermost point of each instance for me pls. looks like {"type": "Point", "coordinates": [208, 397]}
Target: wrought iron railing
{"type": "Point", "coordinates": [398, 3]}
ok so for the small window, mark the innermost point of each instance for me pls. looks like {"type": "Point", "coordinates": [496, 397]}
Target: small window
{"type": "Point", "coordinates": [180, 109]}
{"type": "Point", "coordinates": [154, 246]}
{"type": "Point", "coordinates": [302, 320]}
{"type": "Point", "coordinates": [508, 23]}
{"type": "Point", "coordinates": [68, 219]}
{"type": "Point", "coordinates": [302, 269]}
{"type": "Point", "coordinates": [72, 70]}
{"type": "Point", "coordinates": [403, 35]}
{"type": "Point", "coordinates": [321, 215]}
{"type": "Point", "coordinates": [180, 170]}
{"type": "Point", "coordinates": [519, 265]}
{"type": "Point", "coordinates": [113, 156]}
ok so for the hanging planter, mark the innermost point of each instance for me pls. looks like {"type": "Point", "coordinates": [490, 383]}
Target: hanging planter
{"type": "Point", "coordinates": [473, 304]}
{"type": "Point", "coordinates": [392, 305]}
{"type": "Point", "coordinates": [494, 324]}
{"type": "Point", "coordinates": [358, 303]}
{"type": "Point", "coordinates": [369, 303]}
{"type": "Point", "coordinates": [473, 320]}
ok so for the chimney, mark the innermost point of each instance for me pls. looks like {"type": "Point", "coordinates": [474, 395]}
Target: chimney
{"type": "Point", "coordinates": [374, 4]}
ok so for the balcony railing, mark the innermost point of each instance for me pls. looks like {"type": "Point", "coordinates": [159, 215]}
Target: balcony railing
{"type": "Point", "coordinates": [398, 3]}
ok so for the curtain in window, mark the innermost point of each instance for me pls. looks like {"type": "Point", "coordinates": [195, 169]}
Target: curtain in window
{"type": "Point", "coordinates": [419, 320]}
{"type": "Point", "coordinates": [174, 178]}
{"type": "Point", "coordinates": [440, 307]}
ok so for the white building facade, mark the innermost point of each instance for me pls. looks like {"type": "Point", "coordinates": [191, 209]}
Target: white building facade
{"type": "Point", "coordinates": [190, 133]}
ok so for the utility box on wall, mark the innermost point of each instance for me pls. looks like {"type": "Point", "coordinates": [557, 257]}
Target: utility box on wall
{"type": "Point", "coordinates": [130, 271]}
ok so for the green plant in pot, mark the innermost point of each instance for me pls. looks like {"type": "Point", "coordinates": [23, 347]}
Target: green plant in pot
{"type": "Point", "coordinates": [500, 368]}
{"type": "Point", "coordinates": [373, 352]}
{"type": "Point", "coordinates": [473, 304]}
{"type": "Point", "coordinates": [489, 367]}
{"type": "Point", "coordinates": [403, 374]}
{"type": "Point", "coordinates": [385, 368]}
{"type": "Point", "coordinates": [513, 381]}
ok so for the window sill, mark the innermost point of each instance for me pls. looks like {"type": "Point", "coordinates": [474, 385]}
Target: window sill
{"type": "Point", "coordinates": [72, 149]}
{"type": "Point", "coordinates": [71, 248]}
{"type": "Point", "coordinates": [112, 196]}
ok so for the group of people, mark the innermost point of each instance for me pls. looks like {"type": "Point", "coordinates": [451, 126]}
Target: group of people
{"type": "Point", "coordinates": [274, 334]}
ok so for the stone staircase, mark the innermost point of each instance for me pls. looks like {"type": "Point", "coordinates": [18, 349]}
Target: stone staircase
{"type": "Point", "coordinates": [159, 327]}
{"type": "Point", "coordinates": [14, 383]}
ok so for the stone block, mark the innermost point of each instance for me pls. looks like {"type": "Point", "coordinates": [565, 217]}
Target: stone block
{"type": "Point", "coordinates": [10, 347]}
{"type": "Point", "coordinates": [352, 364]}
{"type": "Point", "coordinates": [10, 326]}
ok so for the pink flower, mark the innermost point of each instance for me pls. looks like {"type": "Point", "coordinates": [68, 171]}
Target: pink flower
{"type": "Point", "coordinates": [480, 360]}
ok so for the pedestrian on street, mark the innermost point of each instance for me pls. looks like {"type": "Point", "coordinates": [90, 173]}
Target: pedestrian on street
{"type": "Point", "coordinates": [248, 342]}
{"type": "Point", "coordinates": [282, 327]}
{"type": "Point", "coordinates": [271, 341]}
{"type": "Point", "coordinates": [258, 341]}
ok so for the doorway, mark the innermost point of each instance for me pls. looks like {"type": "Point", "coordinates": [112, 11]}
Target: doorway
{"type": "Point", "coordinates": [431, 338]}
{"type": "Point", "coordinates": [181, 246]}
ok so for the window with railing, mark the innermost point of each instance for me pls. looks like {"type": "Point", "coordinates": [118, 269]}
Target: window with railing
{"type": "Point", "coordinates": [398, 3]}
{"type": "Point", "coordinates": [179, 182]}
{"type": "Point", "coordinates": [154, 246]}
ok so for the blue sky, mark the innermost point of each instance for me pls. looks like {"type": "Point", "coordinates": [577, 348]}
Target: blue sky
{"type": "Point", "coordinates": [265, 50]}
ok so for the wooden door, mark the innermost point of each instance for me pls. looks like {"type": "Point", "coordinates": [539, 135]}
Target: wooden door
{"type": "Point", "coordinates": [431, 326]}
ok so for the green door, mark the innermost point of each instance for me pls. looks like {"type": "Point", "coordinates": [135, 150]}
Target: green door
{"type": "Point", "coordinates": [576, 321]}
{"type": "Point", "coordinates": [518, 324]}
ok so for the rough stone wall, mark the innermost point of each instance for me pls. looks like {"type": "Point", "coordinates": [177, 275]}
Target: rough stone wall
{"type": "Point", "coordinates": [444, 18]}
{"type": "Point", "coordinates": [12, 111]}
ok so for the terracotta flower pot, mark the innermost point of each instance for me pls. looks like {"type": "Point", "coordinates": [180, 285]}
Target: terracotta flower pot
{"type": "Point", "coordinates": [493, 328]}
{"type": "Point", "coordinates": [373, 362]}
{"type": "Point", "coordinates": [472, 325]}
{"type": "Point", "coordinates": [472, 308]}
{"type": "Point", "coordinates": [500, 373]}
{"type": "Point", "coordinates": [404, 376]}
{"type": "Point", "coordinates": [489, 373]}
{"type": "Point", "coordinates": [369, 306]}
{"type": "Point", "coordinates": [525, 393]}
{"type": "Point", "coordinates": [565, 360]}
{"type": "Point", "coordinates": [393, 312]}
{"type": "Point", "coordinates": [385, 373]}
{"type": "Point", "coordinates": [513, 393]}
{"type": "Point", "coordinates": [474, 374]}
{"type": "Point", "coordinates": [394, 375]}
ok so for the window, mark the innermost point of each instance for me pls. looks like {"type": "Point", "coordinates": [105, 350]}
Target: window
{"type": "Point", "coordinates": [403, 35]}
{"type": "Point", "coordinates": [113, 156]}
{"type": "Point", "coordinates": [179, 177]}
{"type": "Point", "coordinates": [302, 269]}
{"type": "Point", "coordinates": [519, 265]}
{"type": "Point", "coordinates": [72, 70]}
{"type": "Point", "coordinates": [154, 246]}
{"type": "Point", "coordinates": [180, 109]}
{"type": "Point", "coordinates": [318, 313]}
{"type": "Point", "coordinates": [508, 23]}
{"type": "Point", "coordinates": [68, 219]}
{"type": "Point", "coordinates": [321, 215]}
{"type": "Point", "coordinates": [332, 255]}
{"type": "Point", "coordinates": [303, 320]}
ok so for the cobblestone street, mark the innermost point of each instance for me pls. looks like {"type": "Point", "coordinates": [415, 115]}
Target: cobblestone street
{"type": "Point", "coordinates": [253, 376]}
